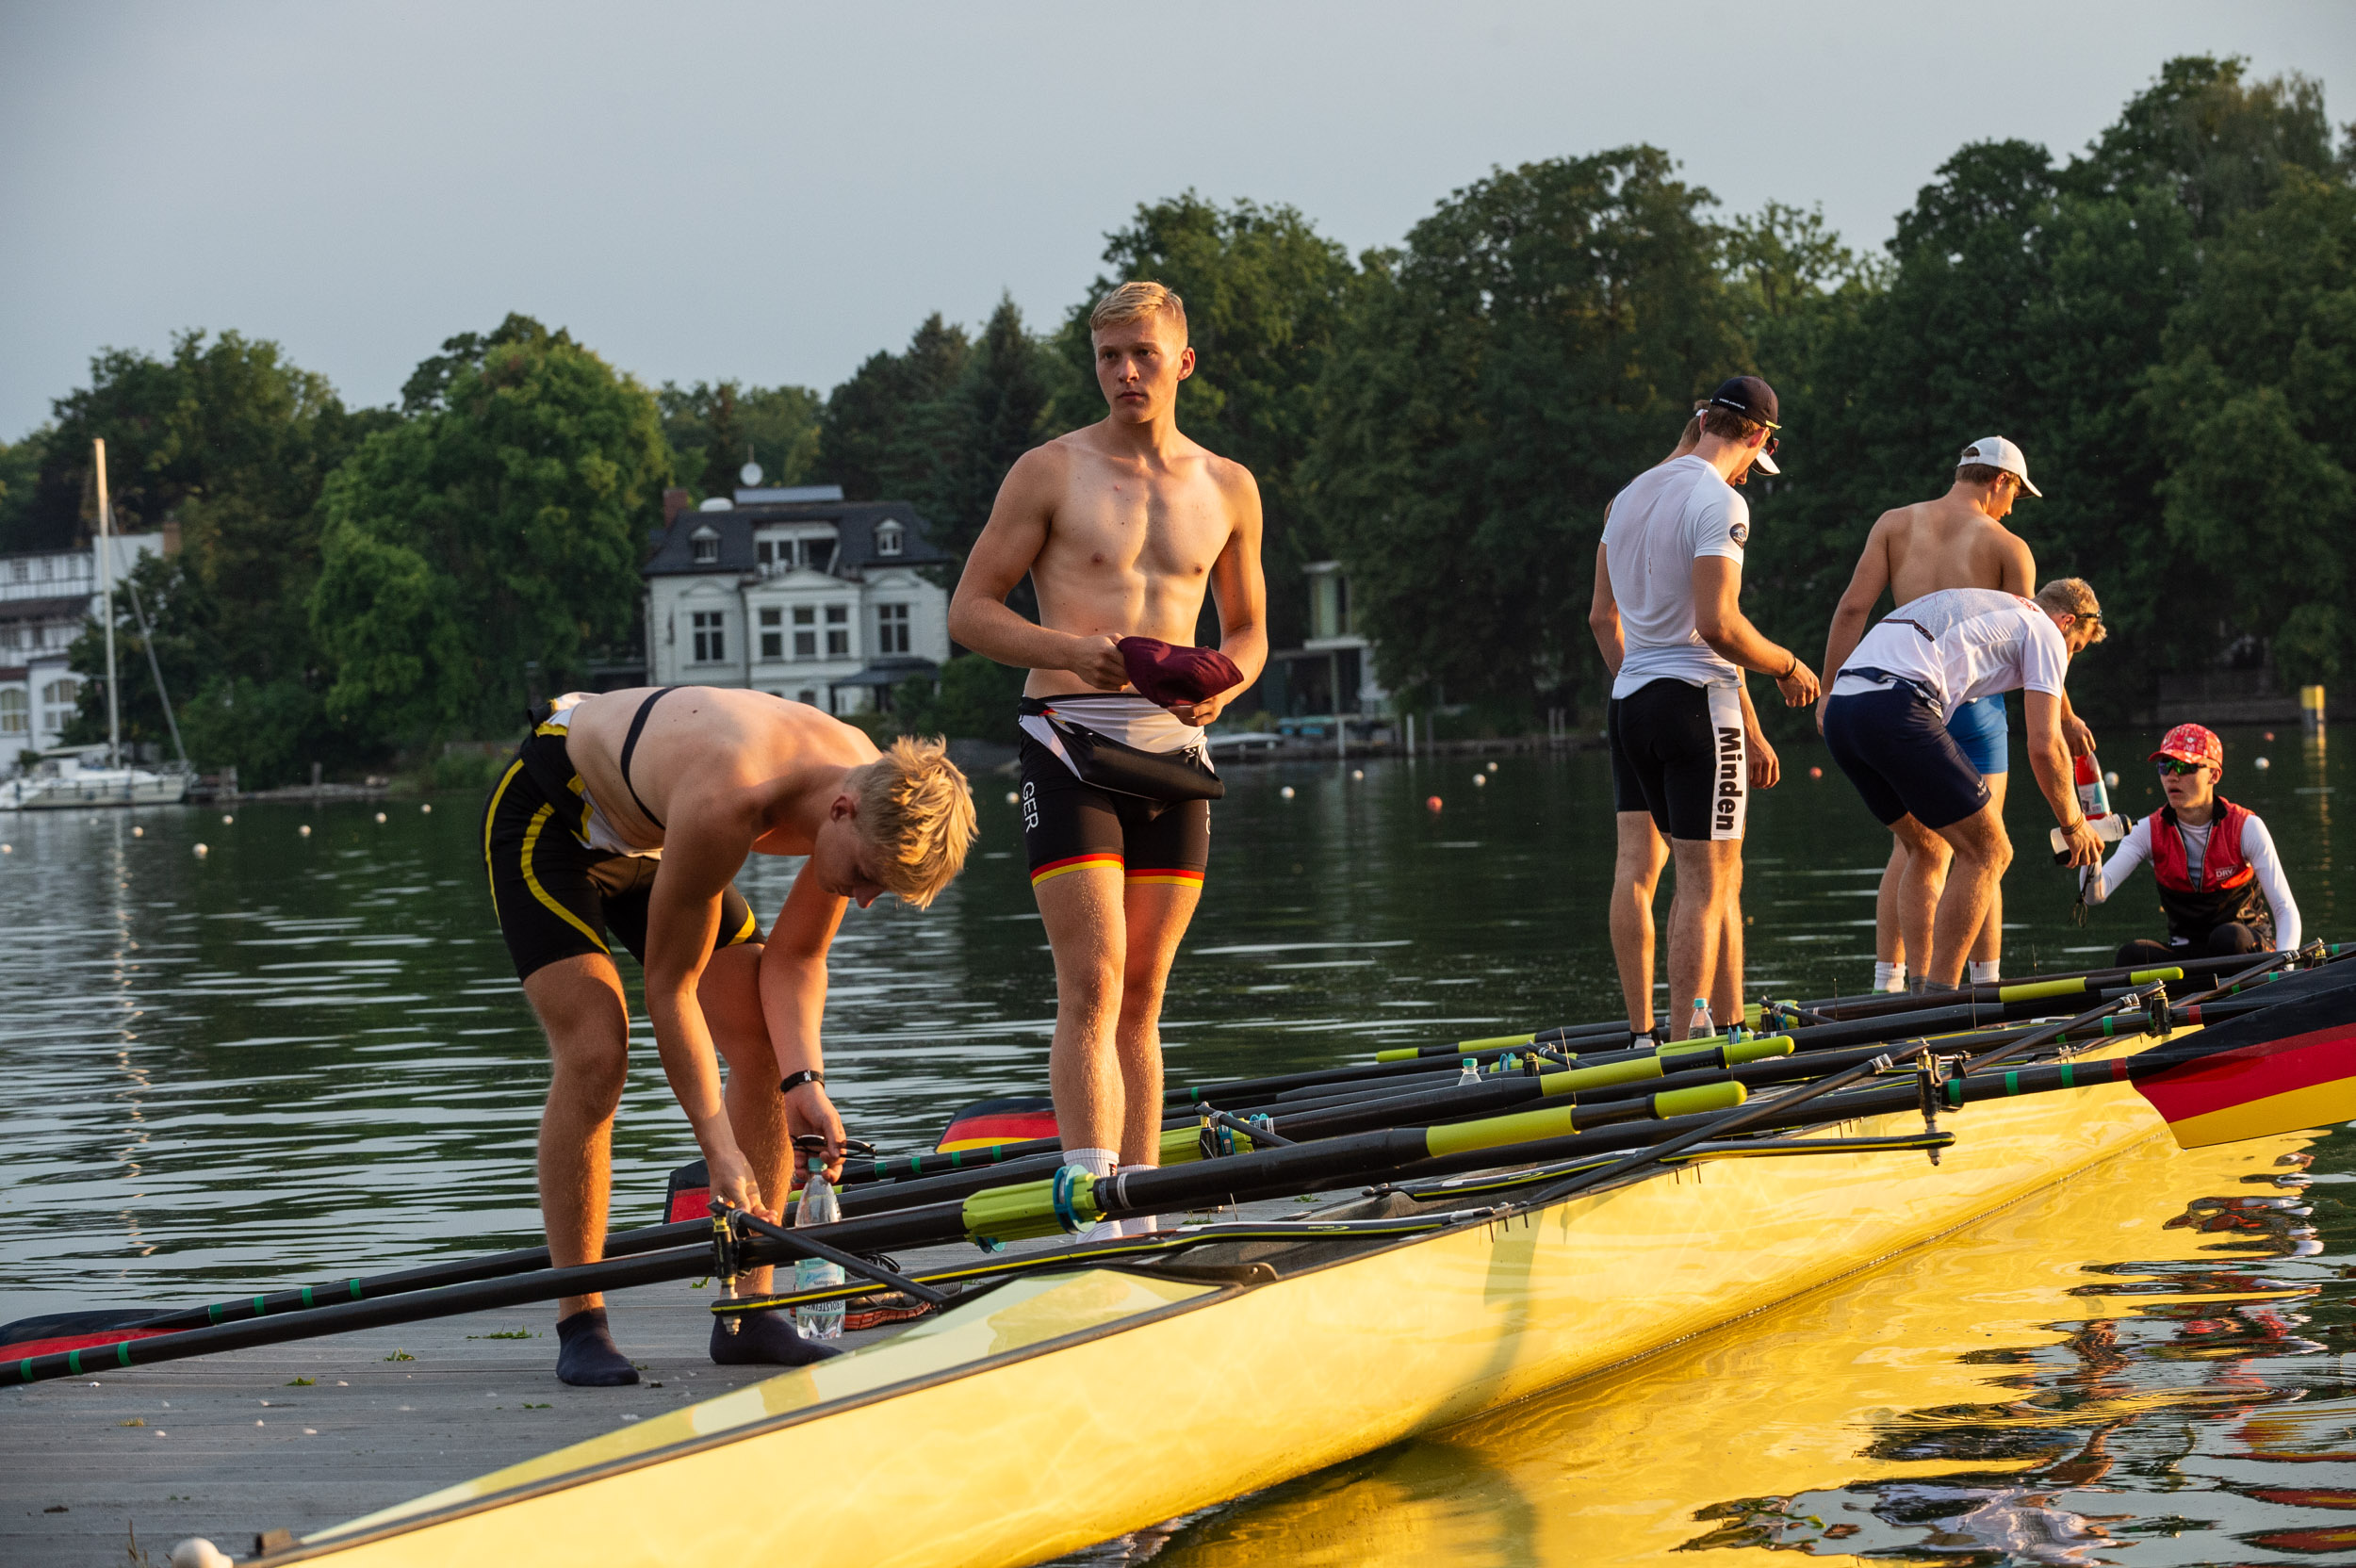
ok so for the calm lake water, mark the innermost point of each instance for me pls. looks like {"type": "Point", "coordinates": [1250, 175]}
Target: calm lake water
{"type": "Point", "coordinates": [302, 1057]}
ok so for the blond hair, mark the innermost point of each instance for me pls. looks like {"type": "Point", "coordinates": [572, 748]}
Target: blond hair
{"type": "Point", "coordinates": [2074, 596]}
{"type": "Point", "coordinates": [1135, 301]}
{"type": "Point", "coordinates": [916, 814]}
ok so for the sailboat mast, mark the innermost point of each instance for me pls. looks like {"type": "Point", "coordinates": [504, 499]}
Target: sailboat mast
{"type": "Point", "coordinates": [107, 594]}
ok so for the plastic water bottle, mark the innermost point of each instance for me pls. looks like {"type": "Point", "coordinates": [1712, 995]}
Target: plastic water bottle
{"type": "Point", "coordinates": [2094, 804]}
{"type": "Point", "coordinates": [1470, 1076]}
{"type": "Point", "coordinates": [819, 1206]}
{"type": "Point", "coordinates": [1701, 1024]}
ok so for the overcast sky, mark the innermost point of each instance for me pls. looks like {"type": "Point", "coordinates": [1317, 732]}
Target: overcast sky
{"type": "Point", "coordinates": [772, 192]}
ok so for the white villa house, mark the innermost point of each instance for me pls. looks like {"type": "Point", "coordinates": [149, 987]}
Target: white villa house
{"type": "Point", "coordinates": [799, 593]}
{"type": "Point", "coordinates": [46, 597]}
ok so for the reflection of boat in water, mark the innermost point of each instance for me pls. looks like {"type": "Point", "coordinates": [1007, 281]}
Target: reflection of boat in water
{"type": "Point", "coordinates": [69, 777]}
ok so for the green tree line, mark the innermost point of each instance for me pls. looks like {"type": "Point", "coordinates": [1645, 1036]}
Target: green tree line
{"type": "Point", "coordinates": [2165, 321]}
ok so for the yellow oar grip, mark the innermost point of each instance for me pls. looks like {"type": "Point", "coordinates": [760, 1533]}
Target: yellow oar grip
{"type": "Point", "coordinates": [1496, 1042]}
{"type": "Point", "coordinates": [1756, 1048]}
{"type": "Point", "coordinates": [1181, 1144]}
{"type": "Point", "coordinates": [1580, 1078]}
{"type": "Point", "coordinates": [1752, 1011]}
{"type": "Point", "coordinates": [2037, 990]}
{"type": "Point", "coordinates": [999, 1215]}
{"type": "Point", "coordinates": [1403, 1054]}
{"type": "Point", "coordinates": [1497, 1131]}
{"type": "Point", "coordinates": [1702, 1097]}
{"type": "Point", "coordinates": [2145, 976]}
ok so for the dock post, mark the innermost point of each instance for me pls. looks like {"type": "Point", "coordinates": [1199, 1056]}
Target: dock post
{"type": "Point", "coordinates": [2311, 709]}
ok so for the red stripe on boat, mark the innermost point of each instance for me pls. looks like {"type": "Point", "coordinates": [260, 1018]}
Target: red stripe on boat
{"type": "Point", "coordinates": [690, 1203]}
{"type": "Point", "coordinates": [73, 1342]}
{"type": "Point", "coordinates": [2250, 1072]}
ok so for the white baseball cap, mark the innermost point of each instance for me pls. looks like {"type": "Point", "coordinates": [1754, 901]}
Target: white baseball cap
{"type": "Point", "coordinates": [1997, 452]}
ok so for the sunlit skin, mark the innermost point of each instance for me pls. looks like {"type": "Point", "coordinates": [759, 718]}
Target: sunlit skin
{"type": "Point", "coordinates": [730, 773]}
{"type": "Point", "coordinates": [2193, 795]}
{"type": "Point", "coordinates": [1122, 527]}
{"type": "Point", "coordinates": [1704, 935]}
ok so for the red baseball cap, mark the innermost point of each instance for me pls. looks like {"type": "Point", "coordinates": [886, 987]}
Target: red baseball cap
{"type": "Point", "coordinates": [2191, 742]}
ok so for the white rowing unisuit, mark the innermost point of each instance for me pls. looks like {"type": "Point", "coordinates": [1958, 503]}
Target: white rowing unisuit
{"type": "Point", "coordinates": [1664, 521]}
{"type": "Point", "coordinates": [596, 829]}
{"type": "Point", "coordinates": [1123, 716]}
{"type": "Point", "coordinates": [2257, 852]}
{"type": "Point", "coordinates": [1961, 643]}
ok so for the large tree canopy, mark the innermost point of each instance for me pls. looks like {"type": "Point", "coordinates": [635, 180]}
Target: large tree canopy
{"type": "Point", "coordinates": [1537, 342]}
{"type": "Point", "coordinates": [504, 525]}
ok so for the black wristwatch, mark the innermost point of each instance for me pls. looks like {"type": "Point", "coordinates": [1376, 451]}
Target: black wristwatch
{"type": "Point", "coordinates": [795, 1080]}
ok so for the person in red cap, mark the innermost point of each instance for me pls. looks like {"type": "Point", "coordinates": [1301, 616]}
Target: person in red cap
{"type": "Point", "coordinates": [1121, 526]}
{"type": "Point", "coordinates": [2221, 883]}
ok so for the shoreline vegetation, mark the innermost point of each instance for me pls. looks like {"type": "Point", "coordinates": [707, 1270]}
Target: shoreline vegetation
{"type": "Point", "coordinates": [2165, 321]}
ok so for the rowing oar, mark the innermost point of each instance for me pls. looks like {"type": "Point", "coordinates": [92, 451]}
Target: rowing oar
{"type": "Point", "coordinates": [1070, 1199]}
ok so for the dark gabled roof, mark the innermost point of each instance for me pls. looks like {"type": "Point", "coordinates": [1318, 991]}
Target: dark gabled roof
{"type": "Point", "coordinates": [855, 534]}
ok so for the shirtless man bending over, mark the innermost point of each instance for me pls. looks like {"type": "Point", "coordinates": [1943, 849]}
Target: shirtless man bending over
{"type": "Point", "coordinates": [630, 813]}
{"type": "Point", "coordinates": [1121, 525]}
{"type": "Point", "coordinates": [1957, 541]}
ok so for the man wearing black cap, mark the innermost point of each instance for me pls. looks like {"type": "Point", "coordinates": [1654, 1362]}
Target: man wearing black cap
{"type": "Point", "coordinates": [1685, 742]}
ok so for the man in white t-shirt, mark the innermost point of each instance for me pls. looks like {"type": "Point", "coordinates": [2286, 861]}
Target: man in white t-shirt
{"type": "Point", "coordinates": [1886, 727]}
{"type": "Point", "coordinates": [1685, 742]}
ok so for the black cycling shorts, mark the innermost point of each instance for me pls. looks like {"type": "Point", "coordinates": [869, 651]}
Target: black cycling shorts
{"type": "Point", "coordinates": [557, 897]}
{"type": "Point", "coordinates": [1677, 752]}
{"type": "Point", "coordinates": [1897, 751]}
{"type": "Point", "coordinates": [1069, 826]}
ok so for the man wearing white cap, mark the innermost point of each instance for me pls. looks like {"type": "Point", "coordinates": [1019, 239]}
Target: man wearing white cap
{"type": "Point", "coordinates": [1957, 541]}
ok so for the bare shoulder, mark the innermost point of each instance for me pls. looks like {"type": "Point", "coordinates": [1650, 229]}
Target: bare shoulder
{"type": "Point", "coordinates": [1234, 479]}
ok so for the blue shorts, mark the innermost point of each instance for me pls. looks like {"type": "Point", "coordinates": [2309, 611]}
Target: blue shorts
{"type": "Point", "coordinates": [1979, 730]}
{"type": "Point", "coordinates": [1901, 758]}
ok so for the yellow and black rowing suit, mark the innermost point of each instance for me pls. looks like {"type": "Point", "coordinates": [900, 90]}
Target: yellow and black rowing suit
{"type": "Point", "coordinates": [560, 874]}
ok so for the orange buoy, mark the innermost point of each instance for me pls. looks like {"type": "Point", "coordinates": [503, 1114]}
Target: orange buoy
{"type": "Point", "coordinates": [1432, 803]}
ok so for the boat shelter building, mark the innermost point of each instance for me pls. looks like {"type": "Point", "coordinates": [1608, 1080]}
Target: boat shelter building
{"type": "Point", "coordinates": [796, 591]}
{"type": "Point", "coordinates": [45, 599]}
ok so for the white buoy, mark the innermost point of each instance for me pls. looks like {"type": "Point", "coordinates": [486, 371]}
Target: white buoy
{"type": "Point", "coordinates": [1493, 767]}
{"type": "Point", "coordinates": [203, 850]}
{"type": "Point", "coordinates": [2262, 763]}
{"type": "Point", "coordinates": [1480, 778]}
{"type": "Point", "coordinates": [226, 819]}
{"type": "Point", "coordinates": [380, 816]}
{"type": "Point", "coordinates": [8, 849]}
{"type": "Point", "coordinates": [2111, 779]}
{"type": "Point", "coordinates": [1287, 791]}
{"type": "Point", "coordinates": [427, 809]}
{"type": "Point", "coordinates": [1013, 799]}
{"type": "Point", "coordinates": [138, 832]}
{"type": "Point", "coordinates": [1357, 773]}
{"type": "Point", "coordinates": [197, 1552]}
{"type": "Point", "coordinates": [304, 830]}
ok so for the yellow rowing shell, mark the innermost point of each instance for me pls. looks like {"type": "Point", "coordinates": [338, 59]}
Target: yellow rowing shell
{"type": "Point", "coordinates": [1057, 1412]}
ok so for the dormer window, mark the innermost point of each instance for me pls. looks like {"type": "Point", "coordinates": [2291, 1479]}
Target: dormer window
{"type": "Point", "coordinates": [707, 544]}
{"type": "Point", "coordinates": [889, 538]}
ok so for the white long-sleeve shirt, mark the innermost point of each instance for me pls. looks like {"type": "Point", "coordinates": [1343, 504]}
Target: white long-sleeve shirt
{"type": "Point", "coordinates": [2257, 848]}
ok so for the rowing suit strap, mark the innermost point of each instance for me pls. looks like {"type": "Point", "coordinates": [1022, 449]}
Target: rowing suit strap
{"type": "Point", "coordinates": [629, 745]}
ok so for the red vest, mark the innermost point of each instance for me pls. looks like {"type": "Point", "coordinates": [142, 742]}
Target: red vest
{"type": "Point", "coordinates": [2228, 887]}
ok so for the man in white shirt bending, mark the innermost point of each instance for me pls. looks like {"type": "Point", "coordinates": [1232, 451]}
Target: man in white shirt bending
{"type": "Point", "coordinates": [2221, 883]}
{"type": "Point", "coordinates": [1887, 727]}
{"type": "Point", "coordinates": [1685, 742]}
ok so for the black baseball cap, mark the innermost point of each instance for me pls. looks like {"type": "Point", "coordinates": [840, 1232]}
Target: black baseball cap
{"type": "Point", "coordinates": [1754, 400]}
{"type": "Point", "coordinates": [1748, 396]}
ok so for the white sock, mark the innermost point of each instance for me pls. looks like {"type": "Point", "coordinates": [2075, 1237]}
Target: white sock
{"type": "Point", "coordinates": [1099, 1163]}
{"type": "Point", "coordinates": [1888, 977]}
{"type": "Point", "coordinates": [1103, 1230]}
{"type": "Point", "coordinates": [1984, 971]}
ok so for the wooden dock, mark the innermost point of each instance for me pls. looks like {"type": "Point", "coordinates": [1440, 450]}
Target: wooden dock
{"type": "Point", "coordinates": [112, 1470]}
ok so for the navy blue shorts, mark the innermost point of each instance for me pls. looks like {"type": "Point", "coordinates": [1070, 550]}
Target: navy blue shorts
{"type": "Point", "coordinates": [1901, 758]}
{"type": "Point", "coordinates": [1980, 732]}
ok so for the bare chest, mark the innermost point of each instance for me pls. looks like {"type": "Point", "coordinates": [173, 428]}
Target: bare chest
{"type": "Point", "coordinates": [1154, 526]}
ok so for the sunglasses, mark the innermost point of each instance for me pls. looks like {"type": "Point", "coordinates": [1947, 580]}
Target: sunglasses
{"type": "Point", "coordinates": [2170, 765]}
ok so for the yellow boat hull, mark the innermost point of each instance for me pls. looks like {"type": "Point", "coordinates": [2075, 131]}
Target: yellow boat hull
{"type": "Point", "coordinates": [1058, 1412]}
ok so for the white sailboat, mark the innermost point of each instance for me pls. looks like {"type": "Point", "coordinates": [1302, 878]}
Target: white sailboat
{"type": "Point", "coordinates": [66, 778]}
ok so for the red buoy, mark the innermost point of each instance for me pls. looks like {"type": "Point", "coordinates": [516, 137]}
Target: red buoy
{"type": "Point", "coordinates": [1432, 803]}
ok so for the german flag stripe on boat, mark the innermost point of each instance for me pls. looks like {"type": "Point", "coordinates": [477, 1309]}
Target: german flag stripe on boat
{"type": "Point", "coordinates": [1014, 1120]}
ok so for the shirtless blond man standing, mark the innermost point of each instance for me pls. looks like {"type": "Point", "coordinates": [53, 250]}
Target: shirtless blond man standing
{"type": "Point", "coordinates": [628, 814]}
{"type": "Point", "coordinates": [1957, 541]}
{"type": "Point", "coordinates": [1122, 527]}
